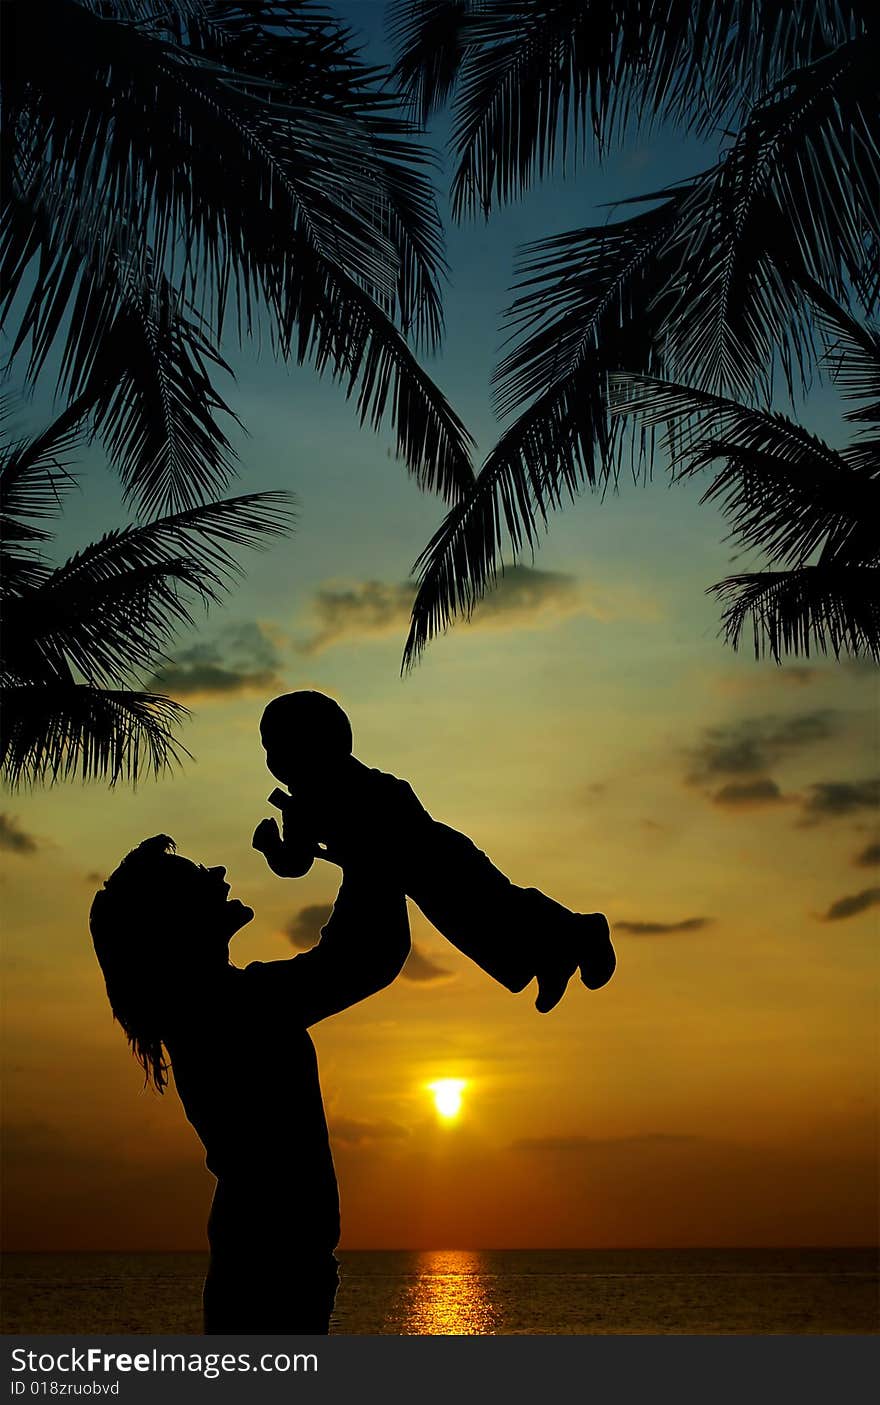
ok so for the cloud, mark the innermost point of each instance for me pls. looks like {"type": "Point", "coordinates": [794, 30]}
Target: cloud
{"type": "Point", "coordinates": [304, 927]}
{"type": "Point", "coordinates": [15, 839]}
{"type": "Point", "coordinates": [578, 1143]}
{"type": "Point", "coordinates": [764, 679]}
{"type": "Point", "coordinates": [243, 658]}
{"type": "Point", "coordinates": [863, 670]}
{"type": "Point", "coordinates": [798, 676]}
{"type": "Point", "coordinates": [524, 593]}
{"type": "Point", "coordinates": [370, 609]}
{"type": "Point", "coordinates": [831, 799]}
{"type": "Point", "coordinates": [355, 1133]}
{"type": "Point", "coordinates": [853, 905]}
{"type": "Point", "coordinates": [868, 858]}
{"type": "Point", "coordinates": [523, 597]}
{"type": "Point", "coordinates": [751, 746]}
{"type": "Point", "coordinates": [420, 967]}
{"type": "Point", "coordinates": [656, 929]}
{"type": "Point", "coordinates": [747, 794]}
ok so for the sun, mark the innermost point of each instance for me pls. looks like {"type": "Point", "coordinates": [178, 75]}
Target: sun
{"type": "Point", "coordinates": [447, 1096]}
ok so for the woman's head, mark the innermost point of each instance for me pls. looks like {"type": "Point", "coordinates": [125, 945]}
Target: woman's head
{"type": "Point", "coordinates": [159, 923]}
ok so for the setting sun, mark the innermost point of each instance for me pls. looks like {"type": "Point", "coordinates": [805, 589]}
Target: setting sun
{"type": "Point", "coordinates": [447, 1096]}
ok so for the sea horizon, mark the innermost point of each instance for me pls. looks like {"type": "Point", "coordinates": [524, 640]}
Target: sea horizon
{"type": "Point", "coordinates": [507, 1249]}
{"type": "Point", "coordinates": [692, 1291]}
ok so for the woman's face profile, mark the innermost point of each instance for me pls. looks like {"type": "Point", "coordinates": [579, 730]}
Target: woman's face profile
{"type": "Point", "coordinates": [200, 903]}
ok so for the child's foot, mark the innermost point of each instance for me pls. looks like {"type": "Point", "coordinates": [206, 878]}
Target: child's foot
{"type": "Point", "coordinates": [552, 982]}
{"type": "Point", "coordinates": [591, 950]}
{"type": "Point", "coordinates": [596, 954]}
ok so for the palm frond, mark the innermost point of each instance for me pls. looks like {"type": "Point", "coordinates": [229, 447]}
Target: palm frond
{"type": "Point", "coordinates": [510, 501]}
{"type": "Point", "coordinates": [535, 78]}
{"type": "Point", "coordinates": [429, 38]}
{"type": "Point", "coordinates": [35, 474]}
{"type": "Point", "coordinates": [62, 731]}
{"type": "Point", "coordinates": [311, 58]}
{"type": "Point", "coordinates": [819, 608]}
{"type": "Point", "coordinates": [234, 141]}
{"type": "Point", "coordinates": [791, 205]}
{"type": "Point", "coordinates": [205, 534]}
{"type": "Point", "coordinates": [140, 359]}
{"type": "Point", "coordinates": [709, 286]}
{"type": "Point", "coordinates": [585, 291]}
{"type": "Point", "coordinates": [107, 628]}
{"type": "Point", "coordinates": [853, 355]}
{"type": "Point", "coordinates": [372, 361]}
{"type": "Point", "coordinates": [110, 611]}
{"type": "Point", "coordinates": [582, 296]}
{"type": "Point", "coordinates": [784, 490]}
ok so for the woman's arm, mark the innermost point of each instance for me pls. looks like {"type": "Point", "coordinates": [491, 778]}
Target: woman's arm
{"type": "Point", "coordinates": [362, 948]}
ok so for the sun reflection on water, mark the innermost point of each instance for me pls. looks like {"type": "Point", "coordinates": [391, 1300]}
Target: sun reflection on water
{"type": "Point", "coordinates": [448, 1296]}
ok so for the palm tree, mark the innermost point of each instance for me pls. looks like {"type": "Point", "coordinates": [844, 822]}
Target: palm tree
{"type": "Point", "coordinates": [76, 637]}
{"type": "Point", "coordinates": [810, 511]}
{"type": "Point", "coordinates": [712, 284]}
{"type": "Point", "coordinates": [172, 173]}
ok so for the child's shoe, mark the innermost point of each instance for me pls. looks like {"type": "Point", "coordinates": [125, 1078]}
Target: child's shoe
{"type": "Point", "coordinates": [597, 960]}
{"type": "Point", "coordinates": [591, 950]}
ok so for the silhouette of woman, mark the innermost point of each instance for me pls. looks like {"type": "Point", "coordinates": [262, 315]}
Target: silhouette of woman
{"type": "Point", "coordinates": [244, 1064]}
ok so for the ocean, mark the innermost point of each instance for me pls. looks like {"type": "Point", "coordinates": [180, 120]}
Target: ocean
{"type": "Point", "coordinates": [478, 1292]}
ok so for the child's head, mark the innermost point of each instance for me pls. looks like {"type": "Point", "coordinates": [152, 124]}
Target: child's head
{"type": "Point", "coordinates": [304, 734]}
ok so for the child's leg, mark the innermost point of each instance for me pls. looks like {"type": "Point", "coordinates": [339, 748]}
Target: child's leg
{"type": "Point", "coordinates": [470, 901]}
{"type": "Point", "coordinates": [513, 933]}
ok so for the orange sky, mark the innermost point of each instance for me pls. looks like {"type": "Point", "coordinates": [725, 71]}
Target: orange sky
{"type": "Point", "coordinates": [722, 1090]}
{"type": "Point", "coordinates": [594, 736]}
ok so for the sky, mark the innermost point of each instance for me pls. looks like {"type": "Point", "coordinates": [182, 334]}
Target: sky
{"type": "Point", "coordinates": [594, 735]}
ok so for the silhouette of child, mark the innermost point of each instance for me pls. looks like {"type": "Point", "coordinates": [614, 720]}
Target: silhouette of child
{"type": "Point", "coordinates": [514, 934]}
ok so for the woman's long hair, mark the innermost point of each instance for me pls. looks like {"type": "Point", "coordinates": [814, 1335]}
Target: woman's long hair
{"type": "Point", "coordinates": [123, 924]}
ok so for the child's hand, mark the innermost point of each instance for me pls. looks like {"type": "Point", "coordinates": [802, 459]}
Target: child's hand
{"type": "Point", "coordinates": [287, 859]}
{"type": "Point", "coordinates": [267, 838]}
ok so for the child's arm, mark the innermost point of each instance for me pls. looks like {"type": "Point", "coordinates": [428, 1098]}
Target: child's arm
{"type": "Point", "coordinates": [291, 850]}
{"type": "Point", "coordinates": [362, 805]}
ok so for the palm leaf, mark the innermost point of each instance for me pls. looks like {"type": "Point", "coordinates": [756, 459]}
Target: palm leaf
{"type": "Point", "coordinates": [35, 475]}
{"type": "Point", "coordinates": [104, 628]}
{"type": "Point", "coordinates": [853, 355]}
{"type": "Point", "coordinates": [821, 607]}
{"type": "Point", "coordinates": [535, 78]}
{"type": "Point", "coordinates": [139, 358]}
{"type": "Point", "coordinates": [585, 292]}
{"type": "Point", "coordinates": [109, 612]}
{"type": "Point", "coordinates": [375, 366]}
{"type": "Point", "coordinates": [129, 131]}
{"type": "Point", "coordinates": [710, 282]}
{"type": "Point", "coordinates": [430, 39]}
{"type": "Point", "coordinates": [790, 206]}
{"type": "Point", "coordinates": [785, 491]}
{"type": "Point", "coordinates": [61, 731]}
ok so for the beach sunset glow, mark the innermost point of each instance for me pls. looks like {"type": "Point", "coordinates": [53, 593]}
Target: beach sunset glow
{"type": "Point", "coordinates": [587, 725]}
{"type": "Point", "coordinates": [447, 1096]}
